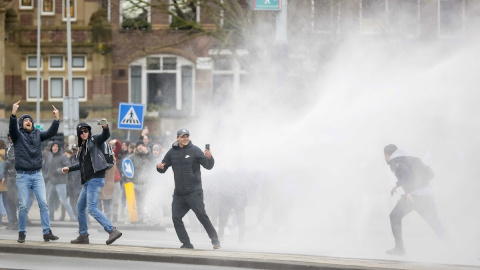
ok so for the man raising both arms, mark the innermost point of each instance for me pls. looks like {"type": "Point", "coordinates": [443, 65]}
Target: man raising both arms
{"type": "Point", "coordinates": [28, 164]}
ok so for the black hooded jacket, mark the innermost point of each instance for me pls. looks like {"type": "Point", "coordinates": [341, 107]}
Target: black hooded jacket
{"type": "Point", "coordinates": [404, 169]}
{"type": "Point", "coordinates": [186, 163]}
{"type": "Point", "coordinates": [92, 163]}
{"type": "Point", "coordinates": [28, 151]}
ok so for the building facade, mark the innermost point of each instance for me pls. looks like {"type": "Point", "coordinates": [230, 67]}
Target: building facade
{"type": "Point", "coordinates": [141, 54]}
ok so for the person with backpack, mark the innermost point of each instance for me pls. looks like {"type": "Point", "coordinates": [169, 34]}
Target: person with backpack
{"type": "Point", "coordinates": [92, 165]}
{"type": "Point", "coordinates": [413, 176]}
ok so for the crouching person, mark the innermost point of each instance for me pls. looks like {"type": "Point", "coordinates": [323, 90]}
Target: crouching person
{"type": "Point", "coordinates": [92, 166]}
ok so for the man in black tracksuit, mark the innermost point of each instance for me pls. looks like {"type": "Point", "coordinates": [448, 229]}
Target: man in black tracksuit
{"type": "Point", "coordinates": [418, 196]}
{"type": "Point", "coordinates": [185, 159]}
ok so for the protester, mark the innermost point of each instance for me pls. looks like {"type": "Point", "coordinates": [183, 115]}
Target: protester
{"type": "Point", "coordinates": [28, 163]}
{"type": "Point", "coordinates": [117, 184]}
{"type": "Point", "coordinates": [142, 161]}
{"type": "Point", "coordinates": [185, 159]}
{"type": "Point", "coordinates": [106, 193]}
{"type": "Point", "coordinates": [232, 195]}
{"type": "Point", "coordinates": [58, 181]}
{"type": "Point", "coordinates": [413, 177]}
{"type": "Point", "coordinates": [74, 186]}
{"type": "Point", "coordinates": [9, 177]}
{"type": "Point", "coordinates": [92, 166]}
{"type": "Point", "coordinates": [3, 184]}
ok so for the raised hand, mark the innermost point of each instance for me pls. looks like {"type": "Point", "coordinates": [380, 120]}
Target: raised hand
{"type": "Point", "coordinates": [55, 113]}
{"type": "Point", "coordinates": [15, 108]}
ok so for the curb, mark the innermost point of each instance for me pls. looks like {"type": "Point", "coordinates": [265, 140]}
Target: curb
{"type": "Point", "coordinates": [210, 257]}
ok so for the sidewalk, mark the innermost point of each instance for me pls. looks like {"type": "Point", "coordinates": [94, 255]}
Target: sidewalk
{"type": "Point", "coordinates": [209, 257]}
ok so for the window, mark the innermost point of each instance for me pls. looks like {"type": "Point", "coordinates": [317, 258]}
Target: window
{"type": "Point", "coordinates": [48, 7]}
{"type": "Point", "coordinates": [79, 62]}
{"type": "Point", "coordinates": [404, 18]}
{"type": "Point", "coordinates": [451, 16]}
{"type": "Point", "coordinates": [32, 89]}
{"type": "Point", "coordinates": [185, 14]}
{"type": "Point", "coordinates": [165, 83]}
{"type": "Point", "coordinates": [26, 4]}
{"type": "Point", "coordinates": [56, 62]}
{"type": "Point", "coordinates": [325, 16]}
{"type": "Point", "coordinates": [73, 10]}
{"type": "Point", "coordinates": [227, 78]}
{"type": "Point", "coordinates": [32, 62]}
{"type": "Point", "coordinates": [57, 88]}
{"type": "Point", "coordinates": [135, 14]}
{"type": "Point", "coordinates": [373, 17]}
{"type": "Point", "coordinates": [79, 85]}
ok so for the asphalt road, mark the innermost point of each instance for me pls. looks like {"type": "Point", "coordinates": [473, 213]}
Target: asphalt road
{"type": "Point", "coordinates": [20, 261]}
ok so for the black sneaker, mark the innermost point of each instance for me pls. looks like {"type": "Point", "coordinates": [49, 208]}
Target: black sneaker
{"type": "Point", "coordinates": [216, 244]}
{"type": "Point", "coordinates": [190, 246]}
{"type": "Point", "coordinates": [21, 237]}
{"type": "Point", "coordinates": [397, 251]}
{"type": "Point", "coordinates": [114, 235]}
{"type": "Point", "coordinates": [81, 239]}
{"type": "Point", "coordinates": [49, 236]}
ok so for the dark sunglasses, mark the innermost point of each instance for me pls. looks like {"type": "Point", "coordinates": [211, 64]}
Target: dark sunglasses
{"type": "Point", "coordinates": [83, 131]}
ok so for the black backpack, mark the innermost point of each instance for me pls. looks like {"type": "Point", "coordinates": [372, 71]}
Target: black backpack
{"type": "Point", "coordinates": [109, 155]}
{"type": "Point", "coordinates": [421, 170]}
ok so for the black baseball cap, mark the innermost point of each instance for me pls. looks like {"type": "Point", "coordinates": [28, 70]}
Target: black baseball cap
{"type": "Point", "coordinates": [182, 132]}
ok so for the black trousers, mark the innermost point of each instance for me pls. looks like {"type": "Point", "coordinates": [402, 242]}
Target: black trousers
{"type": "Point", "coordinates": [425, 206]}
{"type": "Point", "coordinates": [181, 205]}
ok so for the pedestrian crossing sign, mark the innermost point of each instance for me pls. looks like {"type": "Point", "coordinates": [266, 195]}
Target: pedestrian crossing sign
{"type": "Point", "coordinates": [130, 116]}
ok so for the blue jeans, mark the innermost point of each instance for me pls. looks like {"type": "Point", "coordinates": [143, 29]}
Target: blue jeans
{"type": "Point", "coordinates": [61, 192]}
{"type": "Point", "coordinates": [25, 183]}
{"type": "Point", "coordinates": [88, 200]}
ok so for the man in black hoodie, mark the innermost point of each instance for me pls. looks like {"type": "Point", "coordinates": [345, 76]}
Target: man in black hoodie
{"type": "Point", "coordinates": [28, 164]}
{"type": "Point", "coordinates": [92, 166]}
{"type": "Point", "coordinates": [418, 196]}
{"type": "Point", "coordinates": [185, 159]}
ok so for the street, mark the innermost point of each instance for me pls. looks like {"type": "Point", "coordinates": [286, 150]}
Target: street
{"type": "Point", "coordinates": [23, 261]}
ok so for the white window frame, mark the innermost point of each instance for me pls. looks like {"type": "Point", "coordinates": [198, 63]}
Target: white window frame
{"type": "Point", "coordinates": [22, 7]}
{"type": "Point", "coordinates": [64, 6]}
{"type": "Point", "coordinates": [28, 68]}
{"type": "Point", "coordinates": [84, 61]}
{"type": "Point", "coordinates": [334, 27]}
{"type": "Point", "coordinates": [46, 13]}
{"type": "Point", "coordinates": [50, 98]}
{"type": "Point", "coordinates": [28, 88]}
{"type": "Point", "coordinates": [181, 61]}
{"type": "Point", "coordinates": [85, 90]}
{"type": "Point", "coordinates": [440, 26]}
{"type": "Point", "coordinates": [236, 70]}
{"type": "Point", "coordinates": [372, 32]}
{"type": "Point", "coordinates": [149, 12]}
{"type": "Point", "coordinates": [50, 62]}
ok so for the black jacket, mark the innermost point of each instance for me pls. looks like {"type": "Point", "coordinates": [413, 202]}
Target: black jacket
{"type": "Point", "coordinates": [28, 150]}
{"type": "Point", "coordinates": [186, 163]}
{"type": "Point", "coordinates": [404, 169]}
{"type": "Point", "coordinates": [94, 148]}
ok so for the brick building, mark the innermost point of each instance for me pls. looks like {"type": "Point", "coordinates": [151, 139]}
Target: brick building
{"type": "Point", "coordinates": [140, 55]}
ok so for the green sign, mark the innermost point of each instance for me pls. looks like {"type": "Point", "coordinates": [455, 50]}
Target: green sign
{"type": "Point", "coordinates": [265, 4]}
{"type": "Point", "coordinates": [39, 126]}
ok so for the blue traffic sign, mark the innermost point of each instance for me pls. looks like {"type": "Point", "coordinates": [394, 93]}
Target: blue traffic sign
{"type": "Point", "coordinates": [265, 4]}
{"type": "Point", "coordinates": [130, 116]}
{"type": "Point", "coordinates": [127, 166]}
